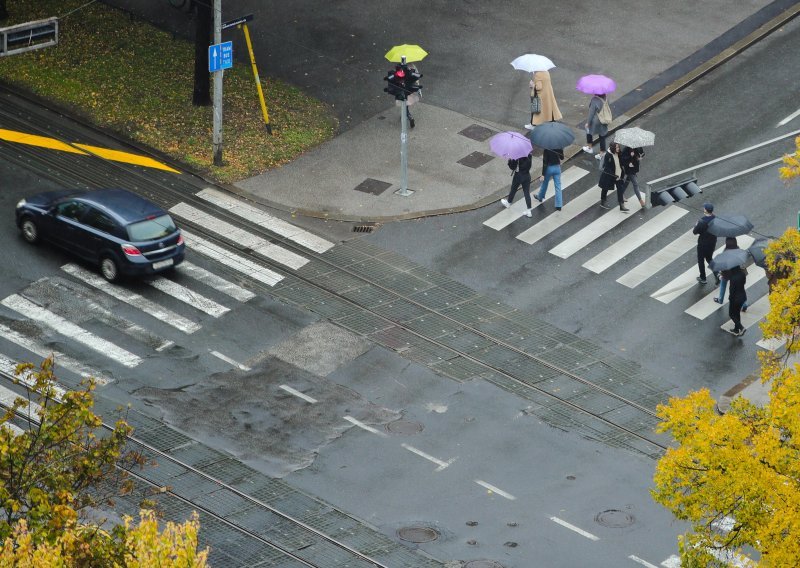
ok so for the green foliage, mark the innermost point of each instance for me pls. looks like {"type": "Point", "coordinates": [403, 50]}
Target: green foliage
{"type": "Point", "coordinates": [128, 76]}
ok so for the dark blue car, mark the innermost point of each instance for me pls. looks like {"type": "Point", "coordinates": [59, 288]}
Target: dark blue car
{"type": "Point", "coordinates": [121, 232]}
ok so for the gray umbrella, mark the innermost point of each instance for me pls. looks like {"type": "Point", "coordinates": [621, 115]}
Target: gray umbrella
{"type": "Point", "coordinates": [730, 226]}
{"type": "Point", "coordinates": [729, 258]}
{"type": "Point", "coordinates": [756, 250]}
{"type": "Point", "coordinates": [552, 136]}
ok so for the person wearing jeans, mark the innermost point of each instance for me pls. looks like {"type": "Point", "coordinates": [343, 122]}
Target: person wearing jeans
{"type": "Point", "coordinates": [551, 168]}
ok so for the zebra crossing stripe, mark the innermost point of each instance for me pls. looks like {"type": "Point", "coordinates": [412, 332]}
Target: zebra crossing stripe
{"type": "Point", "coordinates": [589, 233]}
{"type": "Point", "coordinates": [633, 240]}
{"type": "Point", "coordinates": [122, 294]}
{"type": "Point", "coordinates": [231, 260]}
{"type": "Point", "coordinates": [688, 279]}
{"type": "Point", "coordinates": [658, 261]}
{"type": "Point", "coordinates": [46, 351]}
{"type": "Point", "coordinates": [69, 329]}
{"type": "Point", "coordinates": [239, 236]}
{"type": "Point", "coordinates": [771, 344]}
{"type": "Point", "coordinates": [755, 313]}
{"type": "Point", "coordinates": [571, 209]}
{"type": "Point", "coordinates": [262, 218]}
{"type": "Point", "coordinates": [517, 209]}
{"type": "Point", "coordinates": [706, 306]}
{"type": "Point", "coordinates": [216, 282]}
{"type": "Point", "coordinates": [188, 297]}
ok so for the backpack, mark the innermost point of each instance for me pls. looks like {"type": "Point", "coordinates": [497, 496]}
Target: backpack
{"type": "Point", "coordinates": [604, 114]}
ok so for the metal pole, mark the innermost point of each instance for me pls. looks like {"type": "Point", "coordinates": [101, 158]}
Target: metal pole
{"type": "Point", "coordinates": [264, 112]}
{"type": "Point", "coordinates": [404, 144]}
{"type": "Point", "coordinates": [217, 135]}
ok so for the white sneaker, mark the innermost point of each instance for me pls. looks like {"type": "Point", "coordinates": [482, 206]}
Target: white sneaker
{"type": "Point", "coordinates": [528, 213]}
{"type": "Point", "coordinates": [599, 156]}
{"type": "Point", "coordinates": [504, 202]}
{"type": "Point", "coordinates": [529, 126]}
{"type": "Point", "coordinates": [588, 149]}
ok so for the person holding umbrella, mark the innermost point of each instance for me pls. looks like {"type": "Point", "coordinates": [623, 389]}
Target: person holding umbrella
{"type": "Point", "coordinates": [730, 259]}
{"type": "Point", "coordinates": [551, 168]}
{"type": "Point", "coordinates": [706, 242]}
{"type": "Point", "coordinates": [631, 157]}
{"type": "Point", "coordinates": [521, 176]}
{"type": "Point", "coordinates": [599, 115]}
{"type": "Point", "coordinates": [612, 176]}
{"type": "Point", "coordinates": [737, 298]}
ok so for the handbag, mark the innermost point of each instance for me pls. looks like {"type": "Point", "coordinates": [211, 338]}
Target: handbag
{"type": "Point", "coordinates": [536, 104]}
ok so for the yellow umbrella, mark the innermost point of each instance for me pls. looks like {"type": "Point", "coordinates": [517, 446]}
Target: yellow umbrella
{"type": "Point", "coordinates": [411, 52]}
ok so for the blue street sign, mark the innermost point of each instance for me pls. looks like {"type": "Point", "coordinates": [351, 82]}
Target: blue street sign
{"type": "Point", "coordinates": [220, 56]}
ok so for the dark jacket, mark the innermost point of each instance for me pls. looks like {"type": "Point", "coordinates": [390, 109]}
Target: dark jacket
{"type": "Point", "coordinates": [551, 158]}
{"type": "Point", "coordinates": [629, 158]}
{"type": "Point", "coordinates": [704, 238]}
{"type": "Point", "coordinates": [608, 176]}
{"type": "Point", "coordinates": [521, 167]}
{"type": "Point", "coordinates": [736, 280]}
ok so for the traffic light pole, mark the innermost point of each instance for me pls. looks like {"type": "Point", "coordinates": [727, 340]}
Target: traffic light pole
{"type": "Point", "coordinates": [217, 99]}
{"type": "Point", "coordinates": [404, 150]}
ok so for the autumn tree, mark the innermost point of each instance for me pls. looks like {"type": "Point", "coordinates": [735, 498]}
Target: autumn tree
{"type": "Point", "coordinates": [736, 477]}
{"type": "Point", "coordinates": [54, 467]}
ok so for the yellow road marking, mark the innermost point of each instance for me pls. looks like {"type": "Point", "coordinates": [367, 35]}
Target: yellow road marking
{"type": "Point", "coordinates": [53, 144]}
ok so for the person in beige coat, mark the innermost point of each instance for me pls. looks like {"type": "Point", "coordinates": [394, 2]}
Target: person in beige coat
{"type": "Point", "coordinates": [541, 85]}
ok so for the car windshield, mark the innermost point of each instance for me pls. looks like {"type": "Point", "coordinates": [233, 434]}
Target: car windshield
{"type": "Point", "coordinates": [151, 229]}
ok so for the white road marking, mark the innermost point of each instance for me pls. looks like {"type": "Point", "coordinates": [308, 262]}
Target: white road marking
{"type": "Point", "coordinates": [574, 528]}
{"type": "Point", "coordinates": [188, 297]}
{"type": "Point", "coordinates": [31, 409]}
{"type": "Point", "coordinates": [517, 209]}
{"type": "Point", "coordinates": [264, 219]}
{"type": "Point", "coordinates": [659, 260]}
{"type": "Point", "coordinates": [494, 489]}
{"type": "Point", "coordinates": [741, 173]}
{"type": "Point", "coordinates": [230, 361]}
{"type": "Point", "coordinates": [771, 344]}
{"type": "Point", "coordinates": [642, 562]}
{"type": "Point", "coordinates": [706, 305]}
{"type": "Point", "coordinates": [442, 464]}
{"type": "Point", "coordinates": [217, 282]}
{"type": "Point", "coordinates": [231, 260]}
{"type": "Point", "coordinates": [633, 240]}
{"type": "Point", "coordinates": [727, 156]}
{"type": "Point", "coordinates": [589, 233]}
{"type": "Point", "coordinates": [122, 294]}
{"type": "Point", "coordinates": [789, 118]}
{"type": "Point", "coordinates": [60, 359]}
{"type": "Point", "coordinates": [70, 330]}
{"type": "Point", "coordinates": [298, 394]}
{"type": "Point", "coordinates": [755, 313]}
{"type": "Point", "coordinates": [672, 562]}
{"type": "Point", "coordinates": [571, 209]}
{"type": "Point", "coordinates": [365, 427]}
{"type": "Point", "coordinates": [235, 234]}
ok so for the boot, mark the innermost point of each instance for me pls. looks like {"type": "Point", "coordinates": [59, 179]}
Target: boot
{"type": "Point", "coordinates": [623, 208]}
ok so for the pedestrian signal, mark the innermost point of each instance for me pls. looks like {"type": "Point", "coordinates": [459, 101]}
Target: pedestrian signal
{"type": "Point", "coordinates": [673, 193]}
{"type": "Point", "coordinates": [397, 82]}
{"type": "Point", "coordinates": [412, 77]}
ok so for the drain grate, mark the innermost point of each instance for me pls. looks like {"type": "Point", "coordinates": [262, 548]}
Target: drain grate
{"type": "Point", "coordinates": [363, 228]}
{"type": "Point", "coordinates": [417, 534]}
{"type": "Point", "coordinates": [615, 519]}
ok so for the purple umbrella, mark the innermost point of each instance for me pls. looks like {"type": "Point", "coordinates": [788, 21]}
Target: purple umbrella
{"type": "Point", "coordinates": [511, 145]}
{"type": "Point", "coordinates": [596, 85]}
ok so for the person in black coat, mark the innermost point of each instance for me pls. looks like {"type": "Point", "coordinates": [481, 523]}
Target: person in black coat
{"type": "Point", "coordinates": [521, 172]}
{"type": "Point", "coordinates": [630, 158]}
{"type": "Point", "coordinates": [612, 177]}
{"type": "Point", "coordinates": [737, 297]}
{"type": "Point", "coordinates": [706, 242]}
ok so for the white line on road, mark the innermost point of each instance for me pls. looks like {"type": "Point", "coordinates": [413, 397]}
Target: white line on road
{"type": "Point", "coordinates": [658, 261]}
{"type": "Point", "coordinates": [642, 562]}
{"type": "Point", "coordinates": [365, 427]}
{"type": "Point", "coordinates": [188, 297]}
{"type": "Point", "coordinates": [69, 329]}
{"type": "Point", "coordinates": [9, 366]}
{"type": "Point", "coordinates": [706, 306]}
{"type": "Point", "coordinates": [789, 118]}
{"type": "Point", "coordinates": [574, 528]}
{"type": "Point", "coordinates": [298, 394]}
{"type": "Point", "coordinates": [571, 209]}
{"type": "Point", "coordinates": [230, 361]}
{"type": "Point", "coordinates": [672, 562]}
{"type": "Point", "coordinates": [442, 464]}
{"type": "Point", "coordinates": [218, 283]}
{"type": "Point", "coordinates": [741, 173]}
{"type": "Point", "coordinates": [494, 489]}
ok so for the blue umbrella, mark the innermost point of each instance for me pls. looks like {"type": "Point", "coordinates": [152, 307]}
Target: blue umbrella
{"type": "Point", "coordinates": [552, 136]}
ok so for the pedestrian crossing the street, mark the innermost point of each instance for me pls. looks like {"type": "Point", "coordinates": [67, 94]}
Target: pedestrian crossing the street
{"type": "Point", "coordinates": [657, 223]}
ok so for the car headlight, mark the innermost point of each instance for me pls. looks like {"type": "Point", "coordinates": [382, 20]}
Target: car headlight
{"type": "Point", "coordinates": [20, 203]}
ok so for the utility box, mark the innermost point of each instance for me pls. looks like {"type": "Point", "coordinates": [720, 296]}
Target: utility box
{"type": "Point", "coordinates": [28, 36]}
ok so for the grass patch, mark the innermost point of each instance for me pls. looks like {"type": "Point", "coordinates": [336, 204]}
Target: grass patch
{"type": "Point", "coordinates": [126, 75]}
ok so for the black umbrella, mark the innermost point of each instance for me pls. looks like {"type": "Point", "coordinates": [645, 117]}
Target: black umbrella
{"type": "Point", "coordinates": [552, 136]}
{"type": "Point", "coordinates": [729, 258]}
{"type": "Point", "coordinates": [730, 226]}
{"type": "Point", "coordinates": [758, 253]}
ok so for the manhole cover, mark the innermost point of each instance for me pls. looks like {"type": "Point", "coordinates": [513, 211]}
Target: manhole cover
{"type": "Point", "coordinates": [615, 519]}
{"type": "Point", "coordinates": [404, 427]}
{"type": "Point", "coordinates": [483, 564]}
{"type": "Point", "coordinates": [373, 186]}
{"type": "Point", "coordinates": [475, 160]}
{"type": "Point", "coordinates": [477, 132]}
{"type": "Point", "coordinates": [417, 534]}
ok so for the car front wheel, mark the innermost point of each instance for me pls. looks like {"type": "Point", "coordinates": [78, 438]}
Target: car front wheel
{"type": "Point", "coordinates": [30, 231]}
{"type": "Point", "coordinates": [109, 268]}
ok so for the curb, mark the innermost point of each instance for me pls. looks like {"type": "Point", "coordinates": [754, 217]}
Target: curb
{"type": "Point", "coordinates": [724, 401]}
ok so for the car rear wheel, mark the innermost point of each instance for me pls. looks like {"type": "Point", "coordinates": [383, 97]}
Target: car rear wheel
{"type": "Point", "coordinates": [109, 268]}
{"type": "Point", "coordinates": [30, 231]}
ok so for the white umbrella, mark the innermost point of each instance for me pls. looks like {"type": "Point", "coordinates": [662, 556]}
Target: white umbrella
{"type": "Point", "coordinates": [634, 137]}
{"type": "Point", "coordinates": [531, 62]}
